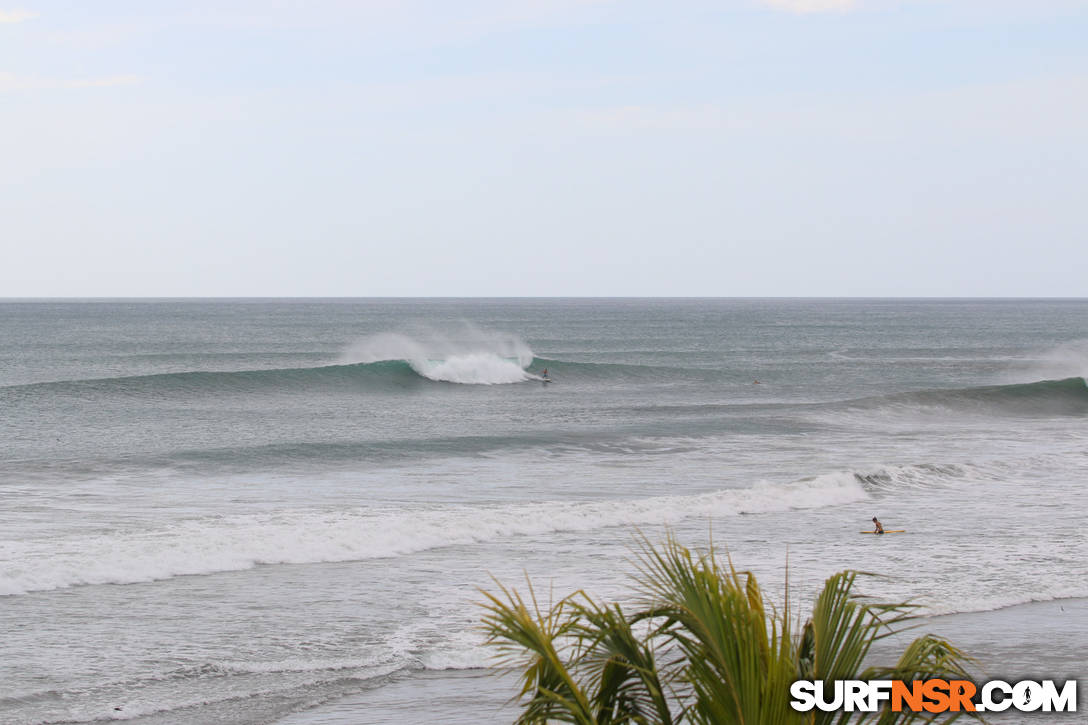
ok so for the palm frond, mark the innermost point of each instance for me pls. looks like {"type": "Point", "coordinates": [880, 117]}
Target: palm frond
{"type": "Point", "coordinates": [926, 657]}
{"type": "Point", "coordinates": [703, 646]}
{"type": "Point", "coordinates": [739, 650]}
{"type": "Point", "coordinates": [527, 640]}
{"type": "Point", "coordinates": [623, 670]}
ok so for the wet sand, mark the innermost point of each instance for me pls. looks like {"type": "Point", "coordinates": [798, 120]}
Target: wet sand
{"type": "Point", "coordinates": [1040, 640]}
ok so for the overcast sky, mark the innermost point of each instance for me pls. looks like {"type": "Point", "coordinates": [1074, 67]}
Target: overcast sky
{"type": "Point", "coordinates": [544, 147]}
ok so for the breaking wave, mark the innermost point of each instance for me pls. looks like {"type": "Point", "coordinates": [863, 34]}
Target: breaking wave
{"type": "Point", "coordinates": [470, 355]}
{"type": "Point", "coordinates": [206, 546]}
{"type": "Point", "coordinates": [387, 360]}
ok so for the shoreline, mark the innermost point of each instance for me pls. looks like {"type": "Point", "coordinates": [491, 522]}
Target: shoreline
{"type": "Point", "coordinates": [1034, 640]}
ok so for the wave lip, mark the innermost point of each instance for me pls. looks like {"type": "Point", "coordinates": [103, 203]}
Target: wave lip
{"type": "Point", "coordinates": [208, 546]}
{"type": "Point", "coordinates": [384, 374]}
{"type": "Point", "coordinates": [469, 356]}
{"type": "Point", "coordinates": [388, 360]}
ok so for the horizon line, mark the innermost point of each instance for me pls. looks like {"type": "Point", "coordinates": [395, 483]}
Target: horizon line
{"type": "Point", "coordinates": [13, 297]}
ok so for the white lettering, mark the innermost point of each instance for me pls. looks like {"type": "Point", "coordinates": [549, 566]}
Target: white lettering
{"type": "Point", "coordinates": [1064, 701]}
{"type": "Point", "coordinates": [803, 694]}
{"type": "Point", "coordinates": [821, 696]}
{"type": "Point", "coordinates": [988, 703]}
{"type": "Point", "coordinates": [879, 691]}
{"type": "Point", "coordinates": [855, 696]}
{"type": "Point", "coordinates": [994, 696]}
{"type": "Point", "coordinates": [1026, 696]}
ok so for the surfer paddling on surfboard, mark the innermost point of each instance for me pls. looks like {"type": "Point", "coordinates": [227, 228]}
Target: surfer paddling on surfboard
{"type": "Point", "coordinates": [878, 529]}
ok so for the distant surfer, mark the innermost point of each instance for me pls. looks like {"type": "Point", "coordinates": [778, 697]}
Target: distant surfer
{"type": "Point", "coordinates": [755, 382]}
{"type": "Point", "coordinates": [879, 526]}
{"type": "Point", "coordinates": [544, 374]}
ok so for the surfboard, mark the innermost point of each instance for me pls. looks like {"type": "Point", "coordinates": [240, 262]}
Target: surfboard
{"type": "Point", "coordinates": [886, 531]}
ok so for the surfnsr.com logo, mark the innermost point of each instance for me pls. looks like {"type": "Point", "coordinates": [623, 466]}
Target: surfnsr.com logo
{"type": "Point", "coordinates": [934, 696]}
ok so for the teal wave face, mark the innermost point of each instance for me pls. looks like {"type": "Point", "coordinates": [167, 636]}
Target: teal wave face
{"type": "Point", "coordinates": [1068, 396]}
{"type": "Point", "coordinates": [389, 373]}
{"type": "Point", "coordinates": [386, 373]}
{"type": "Point", "coordinates": [1045, 397]}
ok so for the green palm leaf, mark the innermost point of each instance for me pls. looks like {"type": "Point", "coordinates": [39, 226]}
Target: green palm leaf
{"type": "Point", "coordinates": [704, 647]}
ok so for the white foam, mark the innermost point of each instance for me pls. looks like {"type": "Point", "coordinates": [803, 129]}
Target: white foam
{"type": "Point", "coordinates": [465, 649]}
{"type": "Point", "coordinates": [466, 354]}
{"type": "Point", "coordinates": [373, 667]}
{"type": "Point", "coordinates": [472, 369]}
{"type": "Point", "coordinates": [210, 545]}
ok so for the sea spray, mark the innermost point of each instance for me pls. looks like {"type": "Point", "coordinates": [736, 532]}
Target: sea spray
{"type": "Point", "coordinates": [464, 354]}
{"type": "Point", "coordinates": [1064, 361]}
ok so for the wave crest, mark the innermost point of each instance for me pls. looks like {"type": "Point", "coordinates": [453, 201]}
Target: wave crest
{"type": "Point", "coordinates": [467, 355]}
{"type": "Point", "coordinates": [1045, 397]}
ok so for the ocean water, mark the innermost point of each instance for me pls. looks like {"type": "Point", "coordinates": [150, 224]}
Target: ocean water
{"type": "Point", "coordinates": [230, 511]}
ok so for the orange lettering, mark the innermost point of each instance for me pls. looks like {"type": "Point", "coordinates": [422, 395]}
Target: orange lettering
{"type": "Point", "coordinates": [961, 692]}
{"type": "Point", "coordinates": [912, 696]}
{"type": "Point", "coordinates": [936, 693]}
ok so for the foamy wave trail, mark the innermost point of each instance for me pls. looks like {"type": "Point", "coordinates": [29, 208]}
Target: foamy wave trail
{"type": "Point", "coordinates": [467, 355]}
{"type": "Point", "coordinates": [207, 546]}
